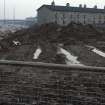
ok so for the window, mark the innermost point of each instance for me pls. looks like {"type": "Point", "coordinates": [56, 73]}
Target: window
{"type": "Point", "coordinates": [94, 20]}
{"type": "Point", "coordinates": [104, 19]}
{"type": "Point", "coordinates": [84, 18]}
{"type": "Point", "coordinates": [99, 19]}
{"type": "Point", "coordinates": [71, 16]}
{"type": "Point", "coordinates": [63, 18]}
{"type": "Point", "coordinates": [78, 16]}
{"type": "Point", "coordinates": [56, 18]}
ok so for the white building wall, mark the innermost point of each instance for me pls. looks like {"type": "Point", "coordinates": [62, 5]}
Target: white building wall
{"type": "Point", "coordinates": [63, 18]}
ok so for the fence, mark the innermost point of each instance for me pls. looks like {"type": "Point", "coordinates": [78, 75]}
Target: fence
{"type": "Point", "coordinates": [30, 83]}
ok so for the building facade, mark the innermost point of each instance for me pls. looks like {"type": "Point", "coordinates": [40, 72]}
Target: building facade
{"type": "Point", "coordinates": [63, 15]}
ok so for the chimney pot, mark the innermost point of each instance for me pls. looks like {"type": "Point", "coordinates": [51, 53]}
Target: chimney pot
{"type": "Point", "coordinates": [68, 5]}
{"type": "Point", "coordinates": [95, 6]}
{"type": "Point", "coordinates": [80, 5]}
{"type": "Point", "coordinates": [53, 3]}
{"type": "Point", "coordinates": [85, 6]}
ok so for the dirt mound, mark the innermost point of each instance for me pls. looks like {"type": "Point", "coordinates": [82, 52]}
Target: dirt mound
{"type": "Point", "coordinates": [23, 43]}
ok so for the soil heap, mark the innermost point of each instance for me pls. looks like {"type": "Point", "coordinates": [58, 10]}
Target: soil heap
{"type": "Point", "coordinates": [48, 37]}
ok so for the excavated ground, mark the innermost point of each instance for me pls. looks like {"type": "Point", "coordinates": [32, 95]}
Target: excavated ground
{"type": "Point", "coordinates": [41, 86]}
{"type": "Point", "coordinates": [48, 37]}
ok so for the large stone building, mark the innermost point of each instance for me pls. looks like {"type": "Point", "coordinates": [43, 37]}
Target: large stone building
{"type": "Point", "coordinates": [63, 15]}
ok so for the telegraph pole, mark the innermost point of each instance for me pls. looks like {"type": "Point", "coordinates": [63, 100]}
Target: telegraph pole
{"type": "Point", "coordinates": [4, 12]}
{"type": "Point", "coordinates": [14, 15]}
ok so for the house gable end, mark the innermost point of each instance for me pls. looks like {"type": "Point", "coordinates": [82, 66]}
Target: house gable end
{"type": "Point", "coordinates": [43, 6]}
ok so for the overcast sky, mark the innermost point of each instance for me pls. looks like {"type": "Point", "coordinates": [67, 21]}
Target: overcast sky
{"type": "Point", "coordinates": [27, 8]}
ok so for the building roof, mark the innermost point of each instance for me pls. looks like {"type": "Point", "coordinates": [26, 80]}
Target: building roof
{"type": "Point", "coordinates": [73, 9]}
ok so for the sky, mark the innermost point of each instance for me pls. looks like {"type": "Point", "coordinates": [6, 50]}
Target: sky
{"type": "Point", "coordinates": [27, 8]}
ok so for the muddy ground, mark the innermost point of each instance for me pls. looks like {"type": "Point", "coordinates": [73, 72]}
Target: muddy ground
{"type": "Point", "coordinates": [73, 37]}
{"type": "Point", "coordinates": [43, 86]}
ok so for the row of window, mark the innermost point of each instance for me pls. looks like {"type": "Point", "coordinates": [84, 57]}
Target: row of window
{"type": "Point", "coordinates": [76, 18]}
{"type": "Point", "coordinates": [79, 15]}
{"type": "Point", "coordinates": [84, 22]}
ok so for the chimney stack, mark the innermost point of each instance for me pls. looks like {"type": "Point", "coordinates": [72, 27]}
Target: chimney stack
{"type": "Point", "coordinates": [85, 6]}
{"type": "Point", "coordinates": [67, 4]}
{"type": "Point", "coordinates": [53, 3]}
{"type": "Point", "coordinates": [95, 6]}
{"type": "Point", "coordinates": [80, 5]}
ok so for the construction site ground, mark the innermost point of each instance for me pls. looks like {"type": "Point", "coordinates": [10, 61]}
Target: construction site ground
{"type": "Point", "coordinates": [74, 38]}
{"type": "Point", "coordinates": [75, 44]}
